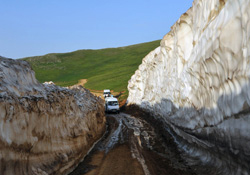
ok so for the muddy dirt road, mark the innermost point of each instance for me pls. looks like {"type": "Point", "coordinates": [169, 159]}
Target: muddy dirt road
{"type": "Point", "coordinates": [132, 147]}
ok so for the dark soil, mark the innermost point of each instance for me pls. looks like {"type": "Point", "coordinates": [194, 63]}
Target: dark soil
{"type": "Point", "coordinates": [163, 158]}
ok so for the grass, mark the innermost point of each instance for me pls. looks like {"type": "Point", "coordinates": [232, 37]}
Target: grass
{"type": "Point", "coordinates": [109, 68]}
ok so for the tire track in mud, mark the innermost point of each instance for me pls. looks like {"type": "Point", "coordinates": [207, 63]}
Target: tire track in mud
{"type": "Point", "coordinates": [131, 146]}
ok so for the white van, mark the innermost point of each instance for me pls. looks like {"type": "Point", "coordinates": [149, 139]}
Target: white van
{"type": "Point", "coordinates": [111, 105]}
{"type": "Point", "coordinates": [106, 93]}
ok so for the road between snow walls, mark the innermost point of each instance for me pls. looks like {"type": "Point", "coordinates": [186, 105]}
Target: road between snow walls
{"type": "Point", "coordinates": [132, 146]}
{"type": "Point", "coordinates": [44, 129]}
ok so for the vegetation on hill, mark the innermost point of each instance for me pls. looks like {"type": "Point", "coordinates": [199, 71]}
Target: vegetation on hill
{"type": "Point", "coordinates": [109, 68]}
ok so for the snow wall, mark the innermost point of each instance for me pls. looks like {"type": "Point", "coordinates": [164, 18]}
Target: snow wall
{"type": "Point", "coordinates": [197, 84]}
{"type": "Point", "coordinates": [44, 129]}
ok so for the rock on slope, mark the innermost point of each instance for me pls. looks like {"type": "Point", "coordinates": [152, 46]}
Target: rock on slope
{"type": "Point", "coordinates": [197, 84]}
{"type": "Point", "coordinates": [44, 129]}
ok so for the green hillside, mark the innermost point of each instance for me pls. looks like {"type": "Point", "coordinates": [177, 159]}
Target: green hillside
{"type": "Point", "coordinates": [104, 68]}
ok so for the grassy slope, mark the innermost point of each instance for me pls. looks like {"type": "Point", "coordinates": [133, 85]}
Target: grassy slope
{"type": "Point", "coordinates": [105, 68]}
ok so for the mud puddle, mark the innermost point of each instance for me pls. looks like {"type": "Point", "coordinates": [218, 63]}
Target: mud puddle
{"type": "Point", "coordinates": [131, 146]}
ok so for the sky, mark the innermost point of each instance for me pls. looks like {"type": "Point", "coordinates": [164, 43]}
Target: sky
{"type": "Point", "coordinates": [38, 27]}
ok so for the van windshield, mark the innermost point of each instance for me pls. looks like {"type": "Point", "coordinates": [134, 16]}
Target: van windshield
{"type": "Point", "coordinates": [112, 103]}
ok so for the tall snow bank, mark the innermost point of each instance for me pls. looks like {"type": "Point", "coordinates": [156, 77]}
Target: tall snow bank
{"type": "Point", "coordinates": [44, 129]}
{"type": "Point", "coordinates": [197, 81]}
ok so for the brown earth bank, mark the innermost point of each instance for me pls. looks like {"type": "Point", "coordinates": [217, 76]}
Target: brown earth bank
{"type": "Point", "coordinates": [132, 146]}
{"type": "Point", "coordinates": [99, 93]}
{"type": "Point", "coordinates": [82, 82]}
